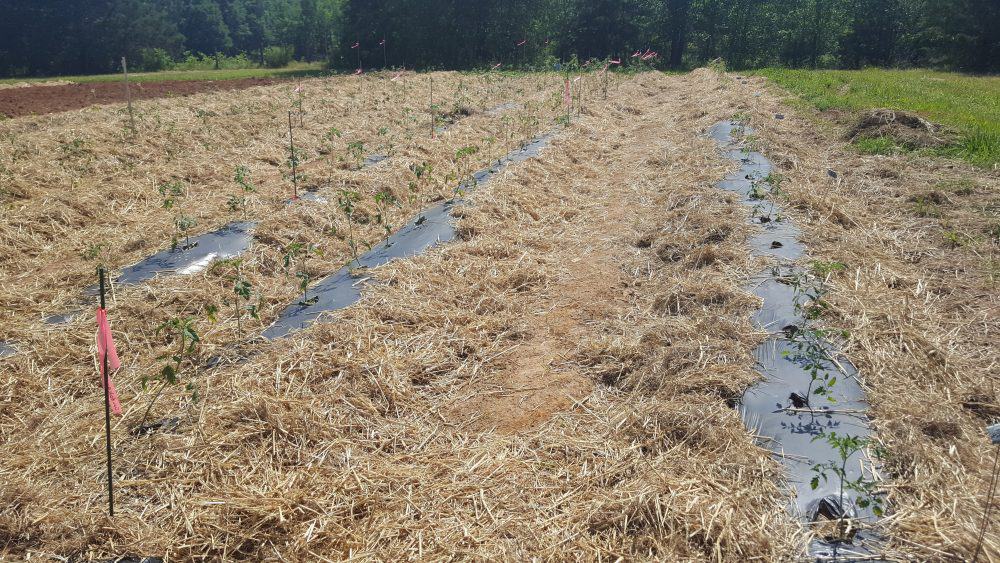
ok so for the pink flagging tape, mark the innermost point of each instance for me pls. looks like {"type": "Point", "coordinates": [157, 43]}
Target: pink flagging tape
{"type": "Point", "coordinates": [106, 345]}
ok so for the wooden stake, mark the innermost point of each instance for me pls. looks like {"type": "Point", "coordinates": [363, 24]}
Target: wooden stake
{"type": "Point", "coordinates": [579, 96]}
{"type": "Point", "coordinates": [569, 85]}
{"type": "Point", "coordinates": [293, 158]}
{"type": "Point", "coordinates": [302, 96]}
{"type": "Point", "coordinates": [128, 96]}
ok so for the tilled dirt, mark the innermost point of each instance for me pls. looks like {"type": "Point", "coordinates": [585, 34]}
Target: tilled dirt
{"type": "Point", "coordinates": [40, 100]}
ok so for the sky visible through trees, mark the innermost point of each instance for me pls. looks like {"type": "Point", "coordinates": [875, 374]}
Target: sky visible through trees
{"type": "Point", "coordinates": [52, 37]}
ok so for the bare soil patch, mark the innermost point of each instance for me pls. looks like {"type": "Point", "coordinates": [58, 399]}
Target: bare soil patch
{"type": "Point", "coordinates": [40, 100]}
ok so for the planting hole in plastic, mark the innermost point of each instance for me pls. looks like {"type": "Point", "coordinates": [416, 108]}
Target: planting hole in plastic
{"type": "Point", "coordinates": [779, 409]}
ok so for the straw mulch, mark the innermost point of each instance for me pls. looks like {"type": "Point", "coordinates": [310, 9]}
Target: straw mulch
{"type": "Point", "coordinates": [555, 384]}
{"type": "Point", "coordinates": [920, 239]}
{"type": "Point", "coordinates": [79, 189]}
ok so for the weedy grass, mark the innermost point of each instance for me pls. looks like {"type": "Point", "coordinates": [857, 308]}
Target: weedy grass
{"type": "Point", "coordinates": [879, 145]}
{"type": "Point", "coordinates": [968, 104]}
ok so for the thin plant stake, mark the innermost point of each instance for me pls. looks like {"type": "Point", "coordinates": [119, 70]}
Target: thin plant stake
{"type": "Point", "coordinates": [128, 96]}
{"type": "Point", "coordinates": [578, 87]}
{"type": "Point", "coordinates": [292, 158]}
{"type": "Point", "coordinates": [567, 99]}
{"type": "Point", "coordinates": [107, 401]}
{"type": "Point", "coordinates": [298, 90]}
{"type": "Point", "coordinates": [432, 108]}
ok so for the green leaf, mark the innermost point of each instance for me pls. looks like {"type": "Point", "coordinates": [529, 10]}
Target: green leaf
{"type": "Point", "coordinates": [814, 483]}
{"type": "Point", "coordinates": [169, 374]}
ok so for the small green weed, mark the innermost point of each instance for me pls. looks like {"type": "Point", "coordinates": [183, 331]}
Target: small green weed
{"type": "Point", "coordinates": [884, 146]}
{"type": "Point", "coordinates": [922, 207]}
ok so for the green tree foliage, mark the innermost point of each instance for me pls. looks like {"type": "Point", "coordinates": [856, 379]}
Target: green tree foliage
{"type": "Point", "coordinates": [204, 28]}
{"type": "Point", "coordinates": [68, 36]}
{"type": "Point", "coordinates": [39, 37]}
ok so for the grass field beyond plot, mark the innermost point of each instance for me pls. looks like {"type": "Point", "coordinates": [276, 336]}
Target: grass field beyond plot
{"type": "Point", "coordinates": [968, 104]}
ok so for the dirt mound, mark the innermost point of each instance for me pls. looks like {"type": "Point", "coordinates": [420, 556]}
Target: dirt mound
{"type": "Point", "coordinates": [907, 129]}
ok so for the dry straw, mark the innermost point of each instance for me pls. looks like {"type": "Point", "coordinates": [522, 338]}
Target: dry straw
{"type": "Point", "coordinates": [556, 384]}
{"type": "Point", "coordinates": [919, 297]}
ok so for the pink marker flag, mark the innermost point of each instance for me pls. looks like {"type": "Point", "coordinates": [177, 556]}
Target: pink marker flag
{"type": "Point", "coordinates": [358, 71]}
{"type": "Point", "coordinates": [616, 62]}
{"type": "Point", "coordinates": [395, 78]}
{"type": "Point", "coordinates": [106, 345]}
{"type": "Point", "coordinates": [522, 42]}
{"type": "Point", "coordinates": [382, 42]}
{"type": "Point", "coordinates": [496, 66]}
{"type": "Point", "coordinates": [356, 45]}
{"type": "Point", "coordinates": [636, 54]}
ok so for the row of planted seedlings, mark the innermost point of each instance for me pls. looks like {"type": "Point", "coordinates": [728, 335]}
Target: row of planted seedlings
{"type": "Point", "coordinates": [182, 206]}
{"type": "Point", "coordinates": [224, 307]}
{"type": "Point", "coordinates": [197, 333]}
{"type": "Point", "coordinates": [195, 210]}
{"type": "Point", "coordinates": [356, 222]}
{"type": "Point", "coordinates": [810, 406]}
{"type": "Point", "coordinates": [173, 150]}
{"type": "Point", "coordinates": [430, 183]}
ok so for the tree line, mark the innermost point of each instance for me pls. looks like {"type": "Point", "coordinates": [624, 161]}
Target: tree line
{"type": "Point", "coordinates": [49, 37]}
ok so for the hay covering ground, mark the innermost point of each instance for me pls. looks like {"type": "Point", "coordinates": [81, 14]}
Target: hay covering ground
{"type": "Point", "coordinates": [556, 384]}
{"type": "Point", "coordinates": [920, 241]}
